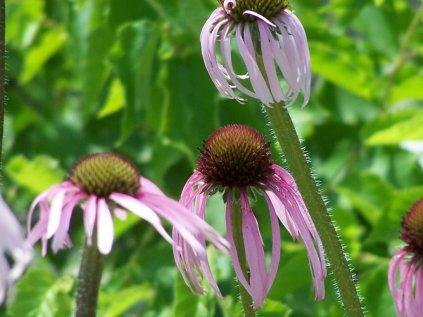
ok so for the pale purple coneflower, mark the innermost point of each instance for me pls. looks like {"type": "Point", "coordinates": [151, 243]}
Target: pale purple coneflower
{"type": "Point", "coordinates": [272, 44]}
{"type": "Point", "coordinates": [405, 274]}
{"type": "Point", "coordinates": [12, 244]}
{"type": "Point", "coordinates": [236, 159]}
{"type": "Point", "coordinates": [104, 184]}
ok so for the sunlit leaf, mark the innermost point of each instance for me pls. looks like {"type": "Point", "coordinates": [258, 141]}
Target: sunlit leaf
{"type": "Point", "coordinates": [35, 174]}
{"type": "Point", "coordinates": [115, 100]}
{"type": "Point", "coordinates": [37, 56]}
{"type": "Point", "coordinates": [396, 127]}
{"type": "Point", "coordinates": [117, 303]}
{"type": "Point", "coordinates": [40, 293]}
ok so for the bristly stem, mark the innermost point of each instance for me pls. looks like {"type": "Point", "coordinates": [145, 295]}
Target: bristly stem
{"type": "Point", "coordinates": [89, 280]}
{"type": "Point", "coordinates": [2, 77]}
{"type": "Point", "coordinates": [286, 134]}
{"type": "Point", "coordinates": [236, 222]}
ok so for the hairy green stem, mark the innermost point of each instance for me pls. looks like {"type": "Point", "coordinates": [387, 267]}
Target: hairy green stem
{"type": "Point", "coordinates": [288, 139]}
{"type": "Point", "coordinates": [236, 222]}
{"type": "Point", "coordinates": [89, 280]}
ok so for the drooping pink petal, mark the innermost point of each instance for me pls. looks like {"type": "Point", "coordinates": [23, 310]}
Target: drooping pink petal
{"type": "Point", "coordinates": [393, 271]}
{"type": "Point", "coordinates": [269, 64]}
{"type": "Point", "coordinates": [62, 231]}
{"type": "Point", "coordinates": [14, 245]}
{"type": "Point", "coordinates": [105, 230]}
{"type": "Point", "coordinates": [185, 223]}
{"type": "Point", "coordinates": [90, 215]}
{"type": "Point", "coordinates": [120, 213]}
{"type": "Point", "coordinates": [260, 17]}
{"type": "Point", "coordinates": [148, 186]}
{"type": "Point", "coordinates": [275, 206]}
{"type": "Point", "coordinates": [276, 249]}
{"type": "Point", "coordinates": [244, 41]}
{"type": "Point", "coordinates": [225, 47]}
{"type": "Point", "coordinates": [234, 255]}
{"type": "Point", "coordinates": [55, 213]}
{"type": "Point", "coordinates": [253, 244]}
{"type": "Point", "coordinates": [419, 289]}
{"type": "Point", "coordinates": [141, 210]}
{"type": "Point", "coordinates": [317, 264]}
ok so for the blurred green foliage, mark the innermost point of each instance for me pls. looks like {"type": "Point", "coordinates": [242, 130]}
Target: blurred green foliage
{"type": "Point", "coordinates": [118, 75]}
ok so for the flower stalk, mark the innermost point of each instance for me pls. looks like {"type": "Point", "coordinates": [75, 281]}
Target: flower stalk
{"type": "Point", "coordinates": [89, 279]}
{"type": "Point", "coordinates": [236, 221]}
{"type": "Point", "coordinates": [286, 134]}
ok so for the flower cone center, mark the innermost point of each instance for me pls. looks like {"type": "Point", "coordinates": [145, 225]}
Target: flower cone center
{"type": "Point", "coordinates": [105, 173]}
{"type": "Point", "coordinates": [412, 226]}
{"type": "Point", "coordinates": [235, 155]}
{"type": "Point", "coordinates": [266, 8]}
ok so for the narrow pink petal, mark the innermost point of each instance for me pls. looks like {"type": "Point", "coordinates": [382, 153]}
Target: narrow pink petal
{"type": "Point", "coordinates": [257, 81]}
{"type": "Point", "coordinates": [208, 37]}
{"type": "Point", "coordinates": [149, 186]}
{"type": "Point", "coordinates": [141, 210]}
{"type": "Point", "coordinates": [90, 215]}
{"type": "Point", "coordinates": [300, 37]}
{"type": "Point", "coordinates": [393, 273]}
{"type": "Point", "coordinates": [184, 260]}
{"type": "Point", "coordinates": [227, 61]}
{"type": "Point", "coordinates": [419, 289]}
{"type": "Point", "coordinates": [276, 206]}
{"type": "Point", "coordinates": [268, 62]}
{"type": "Point", "coordinates": [55, 213]}
{"type": "Point", "coordinates": [120, 213]}
{"type": "Point", "coordinates": [44, 196]}
{"type": "Point", "coordinates": [105, 230]}
{"type": "Point", "coordinates": [260, 17]}
{"type": "Point", "coordinates": [62, 231]}
{"type": "Point", "coordinates": [254, 251]}
{"type": "Point", "coordinates": [408, 290]}
{"type": "Point", "coordinates": [276, 249]}
{"type": "Point", "coordinates": [234, 255]}
{"type": "Point", "coordinates": [317, 265]}
{"type": "Point", "coordinates": [180, 217]}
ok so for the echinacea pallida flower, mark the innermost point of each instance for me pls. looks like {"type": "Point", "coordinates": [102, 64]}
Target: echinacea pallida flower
{"type": "Point", "coordinates": [236, 159]}
{"type": "Point", "coordinates": [405, 274]}
{"type": "Point", "coordinates": [12, 242]}
{"type": "Point", "coordinates": [272, 44]}
{"type": "Point", "coordinates": [104, 184]}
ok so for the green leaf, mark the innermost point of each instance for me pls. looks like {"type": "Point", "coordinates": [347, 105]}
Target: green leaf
{"type": "Point", "coordinates": [117, 303]}
{"type": "Point", "coordinates": [275, 309]}
{"type": "Point", "coordinates": [115, 101]}
{"type": "Point", "coordinates": [395, 127]}
{"type": "Point", "coordinates": [375, 291]}
{"type": "Point", "coordinates": [368, 193]}
{"type": "Point", "coordinates": [42, 294]}
{"type": "Point", "coordinates": [36, 174]}
{"type": "Point", "coordinates": [351, 72]}
{"type": "Point", "coordinates": [409, 89]}
{"type": "Point", "coordinates": [137, 48]}
{"type": "Point", "coordinates": [185, 303]}
{"type": "Point", "coordinates": [377, 30]}
{"type": "Point", "coordinates": [51, 42]}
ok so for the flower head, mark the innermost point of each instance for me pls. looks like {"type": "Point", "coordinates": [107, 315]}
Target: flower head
{"type": "Point", "coordinates": [102, 185]}
{"type": "Point", "coordinates": [236, 159]}
{"type": "Point", "coordinates": [407, 264]}
{"type": "Point", "coordinates": [12, 242]}
{"type": "Point", "coordinates": [272, 44]}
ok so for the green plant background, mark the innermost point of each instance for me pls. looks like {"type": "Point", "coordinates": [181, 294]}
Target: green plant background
{"type": "Point", "coordinates": [85, 76]}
